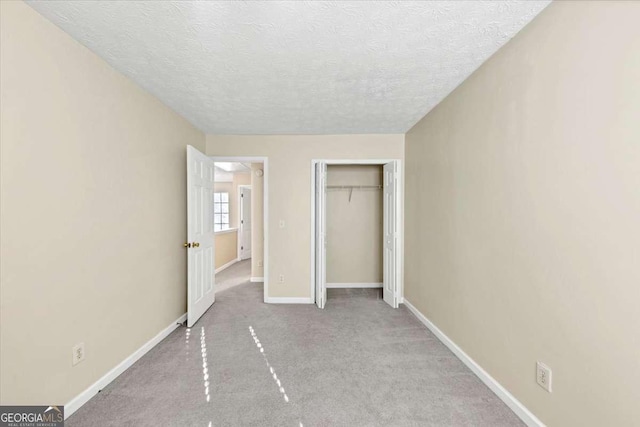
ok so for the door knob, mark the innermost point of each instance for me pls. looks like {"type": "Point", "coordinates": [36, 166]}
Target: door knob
{"type": "Point", "coordinates": [196, 244]}
{"type": "Point", "coordinates": [187, 245]}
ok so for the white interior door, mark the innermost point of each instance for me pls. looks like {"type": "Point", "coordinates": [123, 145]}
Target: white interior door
{"type": "Point", "coordinates": [245, 222]}
{"type": "Point", "coordinates": [390, 232]}
{"type": "Point", "coordinates": [200, 237]}
{"type": "Point", "coordinates": [321, 234]}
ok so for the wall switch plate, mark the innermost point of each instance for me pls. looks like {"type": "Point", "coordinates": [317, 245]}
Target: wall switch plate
{"type": "Point", "coordinates": [543, 376]}
{"type": "Point", "coordinates": [77, 354]}
{"type": "Point", "coordinates": [281, 278]}
{"type": "Point", "coordinates": [259, 263]}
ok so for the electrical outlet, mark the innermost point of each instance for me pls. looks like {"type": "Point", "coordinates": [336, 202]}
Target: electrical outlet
{"type": "Point", "coordinates": [282, 223]}
{"type": "Point", "coordinates": [77, 354]}
{"type": "Point", "coordinates": [281, 278]}
{"type": "Point", "coordinates": [543, 376]}
{"type": "Point", "coordinates": [259, 263]}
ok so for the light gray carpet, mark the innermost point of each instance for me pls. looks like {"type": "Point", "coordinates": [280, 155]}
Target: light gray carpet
{"type": "Point", "coordinates": [237, 274]}
{"type": "Point", "coordinates": [357, 363]}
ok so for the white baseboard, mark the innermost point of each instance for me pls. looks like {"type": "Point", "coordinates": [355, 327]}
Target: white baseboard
{"type": "Point", "coordinates": [514, 404]}
{"type": "Point", "coordinates": [227, 265]}
{"type": "Point", "coordinates": [256, 279]}
{"type": "Point", "coordinates": [75, 403]}
{"type": "Point", "coordinates": [287, 300]}
{"type": "Point", "coordinates": [353, 285]}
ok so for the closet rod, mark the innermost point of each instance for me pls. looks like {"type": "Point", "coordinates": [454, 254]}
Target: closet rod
{"type": "Point", "coordinates": [353, 187]}
{"type": "Point", "coordinates": [350, 187]}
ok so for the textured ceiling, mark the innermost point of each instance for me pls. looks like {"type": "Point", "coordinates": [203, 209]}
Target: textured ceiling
{"type": "Point", "coordinates": [297, 67]}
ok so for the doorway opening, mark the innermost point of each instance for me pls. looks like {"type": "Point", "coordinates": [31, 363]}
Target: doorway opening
{"type": "Point", "coordinates": [357, 240]}
{"type": "Point", "coordinates": [239, 244]}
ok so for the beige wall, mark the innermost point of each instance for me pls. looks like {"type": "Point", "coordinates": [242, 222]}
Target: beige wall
{"type": "Point", "coordinates": [257, 221]}
{"type": "Point", "coordinates": [523, 214]}
{"type": "Point", "coordinates": [93, 187]}
{"type": "Point", "coordinates": [290, 191]}
{"type": "Point", "coordinates": [226, 247]}
{"type": "Point", "coordinates": [354, 228]}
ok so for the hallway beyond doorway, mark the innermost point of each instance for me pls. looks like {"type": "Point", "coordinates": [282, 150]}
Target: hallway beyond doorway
{"type": "Point", "coordinates": [237, 274]}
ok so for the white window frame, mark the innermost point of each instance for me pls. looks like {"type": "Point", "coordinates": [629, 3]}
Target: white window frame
{"type": "Point", "coordinates": [215, 212]}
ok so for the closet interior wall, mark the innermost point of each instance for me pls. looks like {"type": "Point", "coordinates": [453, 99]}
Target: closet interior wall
{"type": "Point", "coordinates": [354, 226]}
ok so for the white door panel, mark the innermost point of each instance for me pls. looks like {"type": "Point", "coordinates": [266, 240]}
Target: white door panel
{"type": "Point", "coordinates": [390, 233]}
{"type": "Point", "coordinates": [245, 223]}
{"type": "Point", "coordinates": [200, 235]}
{"type": "Point", "coordinates": [321, 234]}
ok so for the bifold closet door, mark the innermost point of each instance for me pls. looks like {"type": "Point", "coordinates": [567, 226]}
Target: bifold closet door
{"type": "Point", "coordinates": [200, 235]}
{"type": "Point", "coordinates": [390, 233]}
{"type": "Point", "coordinates": [321, 234]}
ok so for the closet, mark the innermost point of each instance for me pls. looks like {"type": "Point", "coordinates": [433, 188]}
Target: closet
{"type": "Point", "coordinates": [356, 228]}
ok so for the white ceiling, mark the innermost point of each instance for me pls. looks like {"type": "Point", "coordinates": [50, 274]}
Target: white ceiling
{"type": "Point", "coordinates": [224, 171]}
{"type": "Point", "coordinates": [297, 67]}
{"type": "Point", "coordinates": [233, 167]}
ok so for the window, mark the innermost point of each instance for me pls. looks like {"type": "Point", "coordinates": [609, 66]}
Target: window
{"type": "Point", "coordinates": [220, 211]}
